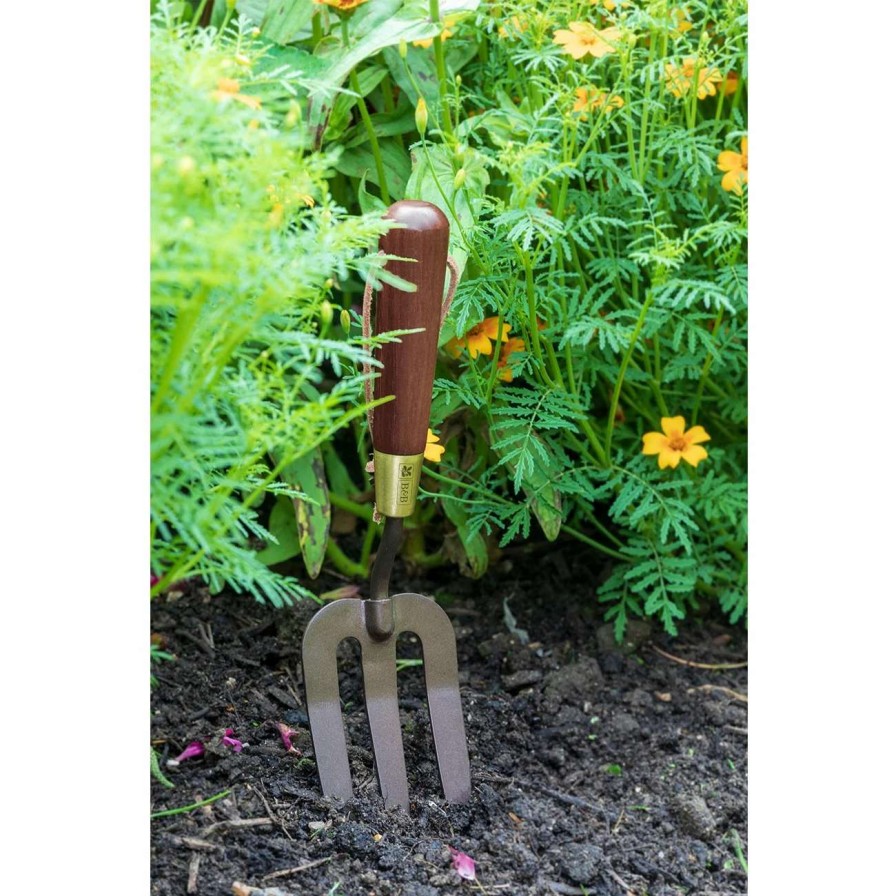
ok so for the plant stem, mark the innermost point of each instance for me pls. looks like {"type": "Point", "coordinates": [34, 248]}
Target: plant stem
{"type": "Point", "coordinates": [362, 511]}
{"type": "Point", "coordinates": [614, 401]}
{"type": "Point", "coordinates": [439, 51]}
{"type": "Point", "coordinates": [343, 562]}
{"type": "Point", "coordinates": [704, 373]}
{"type": "Point", "coordinates": [191, 807]}
{"type": "Point", "coordinates": [361, 105]}
{"type": "Point", "coordinates": [592, 543]}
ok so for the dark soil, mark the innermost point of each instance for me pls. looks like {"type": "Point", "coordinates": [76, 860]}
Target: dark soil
{"type": "Point", "coordinates": [596, 769]}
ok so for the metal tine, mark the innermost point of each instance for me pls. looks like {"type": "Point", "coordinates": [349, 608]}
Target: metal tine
{"type": "Point", "coordinates": [426, 619]}
{"type": "Point", "coordinates": [327, 628]}
{"type": "Point", "coordinates": [381, 697]}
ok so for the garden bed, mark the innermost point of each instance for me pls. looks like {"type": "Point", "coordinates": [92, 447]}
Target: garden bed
{"type": "Point", "coordinates": [595, 769]}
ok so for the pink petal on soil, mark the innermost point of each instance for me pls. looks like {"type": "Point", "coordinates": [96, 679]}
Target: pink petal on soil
{"type": "Point", "coordinates": [286, 735]}
{"type": "Point", "coordinates": [230, 741]}
{"type": "Point", "coordinates": [194, 749]}
{"type": "Point", "coordinates": [463, 864]}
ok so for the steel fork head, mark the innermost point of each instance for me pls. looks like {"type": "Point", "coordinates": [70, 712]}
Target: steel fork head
{"type": "Point", "coordinates": [352, 618]}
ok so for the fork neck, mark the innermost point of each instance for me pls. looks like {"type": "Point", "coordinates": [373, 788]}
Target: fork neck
{"type": "Point", "coordinates": [385, 558]}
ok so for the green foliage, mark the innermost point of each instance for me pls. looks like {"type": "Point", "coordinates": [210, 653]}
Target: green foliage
{"type": "Point", "coordinates": [588, 217]}
{"type": "Point", "coordinates": [246, 244]}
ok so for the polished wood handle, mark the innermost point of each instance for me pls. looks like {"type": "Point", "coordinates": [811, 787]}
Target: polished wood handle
{"type": "Point", "coordinates": [399, 426]}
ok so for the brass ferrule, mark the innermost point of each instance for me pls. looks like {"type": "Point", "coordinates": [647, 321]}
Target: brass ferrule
{"type": "Point", "coordinates": [396, 477]}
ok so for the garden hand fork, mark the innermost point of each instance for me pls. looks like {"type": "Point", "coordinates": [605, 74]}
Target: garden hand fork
{"type": "Point", "coordinates": [399, 434]}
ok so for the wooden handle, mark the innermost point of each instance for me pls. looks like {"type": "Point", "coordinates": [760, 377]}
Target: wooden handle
{"type": "Point", "coordinates": [399, 426]}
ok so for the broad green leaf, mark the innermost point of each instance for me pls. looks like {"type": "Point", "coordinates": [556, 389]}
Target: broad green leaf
{"type": "Point", "coordinates": [368, 201]}
{"type": "Point", "coordinates": [283, 20]}
{"type": "Point", "coordinates": [376, 25]}
{"type": "Point", "coordinates": [384, 125]}
{"type": "Point", "coordinates": [345, 102]}
{"type": "Point", "coordinates": [338, 476]}
{"type": "Point", "coordinates": [417, 75]}
{"type": "Point", "coordinates": [432, 180]}
{"type": "Point", "coordinates": [282, 525]}
{"type": "Point", "coordinates": [473, 543]}
{"type": "Point", "coordinates": [358, 161]}
{"type": "Point", "coordinates": [253, 10]}
{"type": "Point", "coordinates": [312, 511]}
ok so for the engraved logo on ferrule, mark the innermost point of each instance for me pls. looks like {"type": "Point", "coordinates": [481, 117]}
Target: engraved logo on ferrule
{"type": "Point", "coordinates": [396, 478]}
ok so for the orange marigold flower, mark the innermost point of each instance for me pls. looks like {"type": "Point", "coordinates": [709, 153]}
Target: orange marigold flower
{"type": "Point", "coordinates": [731, 82]}
{"type": "Point", "coordinates": [228, 89]}
{"type": "Point", "coordinates": [734, 164]}
{"type": "Point", "coordinates": [590, 98]}
{"type": "Point", "coordinates": [673, 443]}
{"type": "Point", "coordinates": [583, 38]}
{"type": "Point", "coordinates": [478, 340]}
{"type": "Point", "coordinates": [681, 80]}
{"type": "Point", "coordinates": [513, 346]}
{"type": "Point", "coordinates": [433, 450]}
{"type": "Point", "coordinates": [340, 4]}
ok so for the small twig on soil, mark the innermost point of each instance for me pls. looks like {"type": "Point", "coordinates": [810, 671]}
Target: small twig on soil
{"type": "Point", "coordinates": [692, 664]}
{"type": "Point", "coordinates": [199, 642]}
{"type": "Point", "coordinates": [620, 881]}
{"type": "Point", "coordinates": [274, 820]}
{"type": "Point", "coordinates": [193, 873]}
{"type": "Point", "coordinates": [196, 843]}
{"type": "Point", "coordinates": [734, 695]}
{"type": "Point", "coordinates": [737, 730]}
{"type": "Point", "coordinates": [619, 821]}
{"type": "Point", "coordinates": [235, 823]}
{"type": "Point", "coordinates": [564, 797]}
{"type": "Point", "coordinates": [298, 869]}
{"type": "Point", "coordinates": [205, 633]}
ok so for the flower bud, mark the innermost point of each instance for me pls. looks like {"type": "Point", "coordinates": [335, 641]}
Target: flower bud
{"type": "Point", "coordinates": [346, 320]}
{"type": "Point", "coordinates": [459, 178]}
{"type": "Point", "coordinates": [326, 313]}
{"type": "Point", "coordinates": [421, 116]}
{"type": "Point", "coordinates": [403, 48]}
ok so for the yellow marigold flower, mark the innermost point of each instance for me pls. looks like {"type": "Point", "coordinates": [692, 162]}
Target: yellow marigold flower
{"type": "Point", "coordinates": [433, 451]}
{"type": "Point", "coordinates": [228, 89]}
{"type": "Point", "coordinates": [513, 346]}
{"type": "Point", "coordinates": [583, 38]}
{"type": "Point", "coordinates": [681, 80]}
{"type": "Point", "coordinates": [673, 443]}
{"type": "Point", "coordinates": [275, 216]}
{"type": "Point", "coordinates": [478, 340]}
{"type": "Point", "coordinates": [449, 22]}
{"type": "Point", "coordinates": [590, 98]}
{"type": "Point", "coordinates": [517, 27]}
{"type": "Point", "coordinates": [340, 4]}
{"type": "Point", "coordinates": [734, 164]}
{"type": "Point", "coordinates": [454, 347]}
{"type": "Point", "coordinates": [682, 21]}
